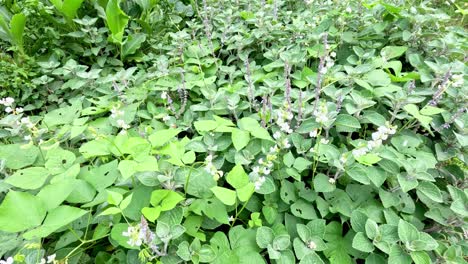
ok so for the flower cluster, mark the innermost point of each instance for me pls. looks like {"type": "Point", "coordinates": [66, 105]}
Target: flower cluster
{"type": "Point", "coordinates": [118, 114]}
{"type": "Point", "coordinates": [211, 168]}
{"type": "Point", "coordinates": [9, 107]}
{"type": "Point", "coordinates": [457, 80]}
{"type": "Point", "coordinates": [283, 119]}
{"type": "Point", "coordinates": [321, 114]}
{"type": "Point", "coordinates": [329, 61]}
{"type": "Point", "coordinates": [141, 234]}
{"type": "Point", "coordinates": [264, 167]}
{"type": "Point", "coordinates": [382, 133]}
{"type": "Point", "coordinates": [50, 259]}
{"type": "Point", "coordinates": [9, 260]}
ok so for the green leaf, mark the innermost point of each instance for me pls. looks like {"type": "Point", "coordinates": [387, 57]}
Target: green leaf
{"type": "Point", "coordinates": [127, 168]}
{"type": "Point", "coordinates": [252, 125]}
{"type": "Point", "coordinates": [377, 78]}
{"type": "Point", "coordinates": [17, 23]}
{"type": "Point", "coordinates": [53, 195]}
{"type": "Point", "coordinates": [347, 123]}
{"type": "Point", "coordinates": [430, 190]}
{"type": "Point", "coordinates": [18, 156]}
{"type": "Point", "coordinates": [264, 236]}
{"type": "Point", "coordinates": [70, 8]}
{"type": "Point", "coordinates": [281, 242]}
{"type": "Point", "coordinates": [161, 137]}
{"type": "Point", "coordinates": [116, 20]}
{"type": "Point", "coordinates": [431, 110]}
{"type": "Point", "coordinates": [368, 159]}
{"type": "Point", "coordinates": [245, 192]}
{"type": "Point", "coordinates": [114, 197]}
{"type": "Point", "coordinates": [132, 44]}
{"type": "Point", "coordinates": [301, 164]}
{"type": "Point", "coordinates": [358, 173]}
{"type": "Point", "coordinates": [59, 160]}
{"type": "Point", "coordinates": [361, 243]}
{"type": "Point", "coordinates": [151, 213]}
{"type": "Point", "coordinates": [117, 235]}
{"type": "Point", "coordinates": [167, 199]}
{"type": "Point", "coordinates": [20, 211]}
{"type": "Point", "coordinates": [407, 182]}
{"type": "Point", "coordinates": [390, 52]}
{"type": "Point", "coordinates": [304, 210]}
{"type": "Point", "coordinates": [322, 183]}
{"type": "Point", "coordinates": [407, 232]}
{"type": "Point", "coordinates": [240, 138]}
{"type": "Point", "coordinates": [28, 179]}
{"type": "Point", "coordinates": [420, 257]}
{"type": "Point", "coordinates": [237, 177]}
{"type": "Point", "coordinates": [205, 125]}
{"type": "Point", "coordinates": [226, 196]}
{"type": "Point", "coordinates": [57, 218]}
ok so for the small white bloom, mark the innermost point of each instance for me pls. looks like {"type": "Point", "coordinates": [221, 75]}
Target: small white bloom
{"type": "Point", "coordinates": [43, 261]}
{"type": "Point", "coordinates": [324, 141]}
{"type": "Point", "coordinates": [121, 123]}
{"type": "Point", "coordinates": [231, 218]}
{"type": "Point", "coordinates": [51, 258]}
{"type": "Point", "coordinates": [343, 159]}
{"type": "Point", "coordinates": [8, 101]}
{"type": "Point", "coordinates": [274, 149]}
{"type": "Point", "coordinates": [348, 9]}
{"type": "Point", "coordinates": [266, 171]}
{"type": "Point", "coordinates": [312, 245]}
{"type": "Point", "coordinates": [286, 143]}
{"type": "Point", "coordinates": [9, 260]}
{"type": "Point", "coordinates": [359, 152]}
{"type": "Point", "coordinates": [277, 135]}
{"type": "Point", "coordinates": [209, 158]}
{"type": "Point", "coordinates": [256, 169]}
{"type": "Point", "coordinates": [27, 138]}
{"type": "Point", "coordinates": [164, 95]}
{"type": "Point", "coordinates": [332, 180]}
{"type": "Point", "coordinates": [116, 112]}
{"type": "Point", "coordinates": [313, 133]}
{"type": "Point", "coordinates": [166, 118]}
{"type": "Point", "coordinates": [259, 182]}
{"type": "Point", "coordinates": [8, 109]}
{"type": "Point", "coordinates": [333, 54]}
{"type": "Point", "coordinates": [19, 110]}
{"type": "Point", "coordinates": [374, 144]}
{"type": "Point", "coordinates": [260, 161]}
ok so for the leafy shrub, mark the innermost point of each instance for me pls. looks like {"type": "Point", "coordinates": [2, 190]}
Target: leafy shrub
{"type": "Point", "coordinates": [233, 132]}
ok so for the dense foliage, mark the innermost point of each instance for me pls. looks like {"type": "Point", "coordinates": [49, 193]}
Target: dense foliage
{"type": "Point", "coordinates": [233, 131]}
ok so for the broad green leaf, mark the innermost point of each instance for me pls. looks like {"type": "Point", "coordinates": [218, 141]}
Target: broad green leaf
{"type": "Point", "coordinates": [167, 199]}
{"type": "Point", "coordinates": [322, 183]}
{"type": "Point", "coordinates": [161, 137]}
{"type": "Point", "coordinates": [377, 78]}
{"type": "Point", "coordinates": [431, 110]}
{"type": "Point", "coordinates": [281, 242]}
{"type": "Point", "coordinates": [240, 138]}
{"type": "Point", "coordinates": [53, 195]}
{"type": "Point", "coordinates": [301, 164]}
{"type": "Point", "coordinates": [57, 218]}
{"type": "Point", "coordinates": [358, 173]}
{"type": "Point", "coordinates": [244, 193]}
{"type": "Point", "coordinates": [347, 123]}
{"type": "Point", "coordinates": [304, 210]}
{"type": "Point", "coordinates": [228, 197]}
{"type": "Point", "coordinates": [59, 160]}
{"type": "Point", "coordinates": [252, 125]}
{"type": "Point", "coordinates": [132, 44]}
{"type": "Point", "coordinates": [127, 168]}
{"type": "Point", "coordinates": [70, 8]}
{"type": "Point", "coordinates": [205, 125]}
{"type": "Point", "coordinates": [117, 235]}
{"type": "Point", "coordinates": [151, 213]}
{"type": "Point", "coordinates": [264, 237]}
{"type": "Point", "coordinates": [361, 243]}
{"type": "Point", "coordinates": [368, 159]}
{"type": "Point", "coordinates": [116, 20]}
{"type": "Point", "coordinates": [407, 182]}
{"type": "Point", "coordinates": [114, 198]}
{"type": "Point", "coordinates": [430, 190]}
{"type": "Point", "coordinates": [407, 232]}
{"type": "Point", "coordinates": [390, 52]}
{"type": "Point", "coordinates": [18, 156]}
{"type": "Point", "coordinates": [420, 257]}
{"type": "Point", "coordinates": [237, 177]}
{"type": "Point", "coordinates": [20, 211]}
{"type": "Point", "coordinates": [17, 23]}
{"type": "Point", "coordinates": [28, 179]}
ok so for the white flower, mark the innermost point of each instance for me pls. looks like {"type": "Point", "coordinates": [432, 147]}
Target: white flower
{"type": "Point", "coordinates": [256, 169]}
{"type": "Point", "coordinates": [27, 122]}
{"type": "Point", "coordinates": [27, 138]}
{"type": "Point", "coordinates": [333, 54]}
{"type": "Point", "coordinates": [116, 112]}
{"type": "Point", "coordinates": [9, 260]}
{"type": "Point", "coordinates": [286, 143]}
{"type": "Point", "coordinates": [43, 261]}
{"type": "Point", "coordinates": [457, 80]}
{"type": "Point", "coordinates": [164, 95]}
{"type": "Point", "coordinates": [274, 149]}
{"type": "Point", "coordinates": [277, 135]}
{"type": "Point", "coordinates": [343, 159]}
{"type": "Point", "coordinates": [51, 258]}
{"type": "Point", "coordinates": [374, 144]}
{"type": "Point", "coordinates": [8, 101]}
{"type": "Point", "coordinates": [313, 133]}
{"type": "Point", "coordinates": [231, 218]}
{"type": "Point", "coordinates": [19, 110]}
{"type": "Point", "coordinates": [332, 180]}
{"type": "Point", "coordinates": [348, 9]}
{"type": "Point", "coordinates": [121, 123]}
{"type": "Point", "coordinates": [266, 171]}
{"type": "Point", "coordinates": [166, 118]}
{"type": "Point", "coordinates": [209, 158]}
{"type": "Point", "coordinates": [133, 233]}
{"type": "Point", "coordinates": [359, 152]}
{"type": "Point", "coordinates": [312, 245]}
{"type": "Point", "coordinates": [259, 182]}
{"type": "Point", "coordinates": [8, 109]}
{"type": "Point", "coordinates": [324, 141]}
{"type": "Point", "coordinates": [285, 128]}
{"type": "Point", "coordinates": [260, 161]}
